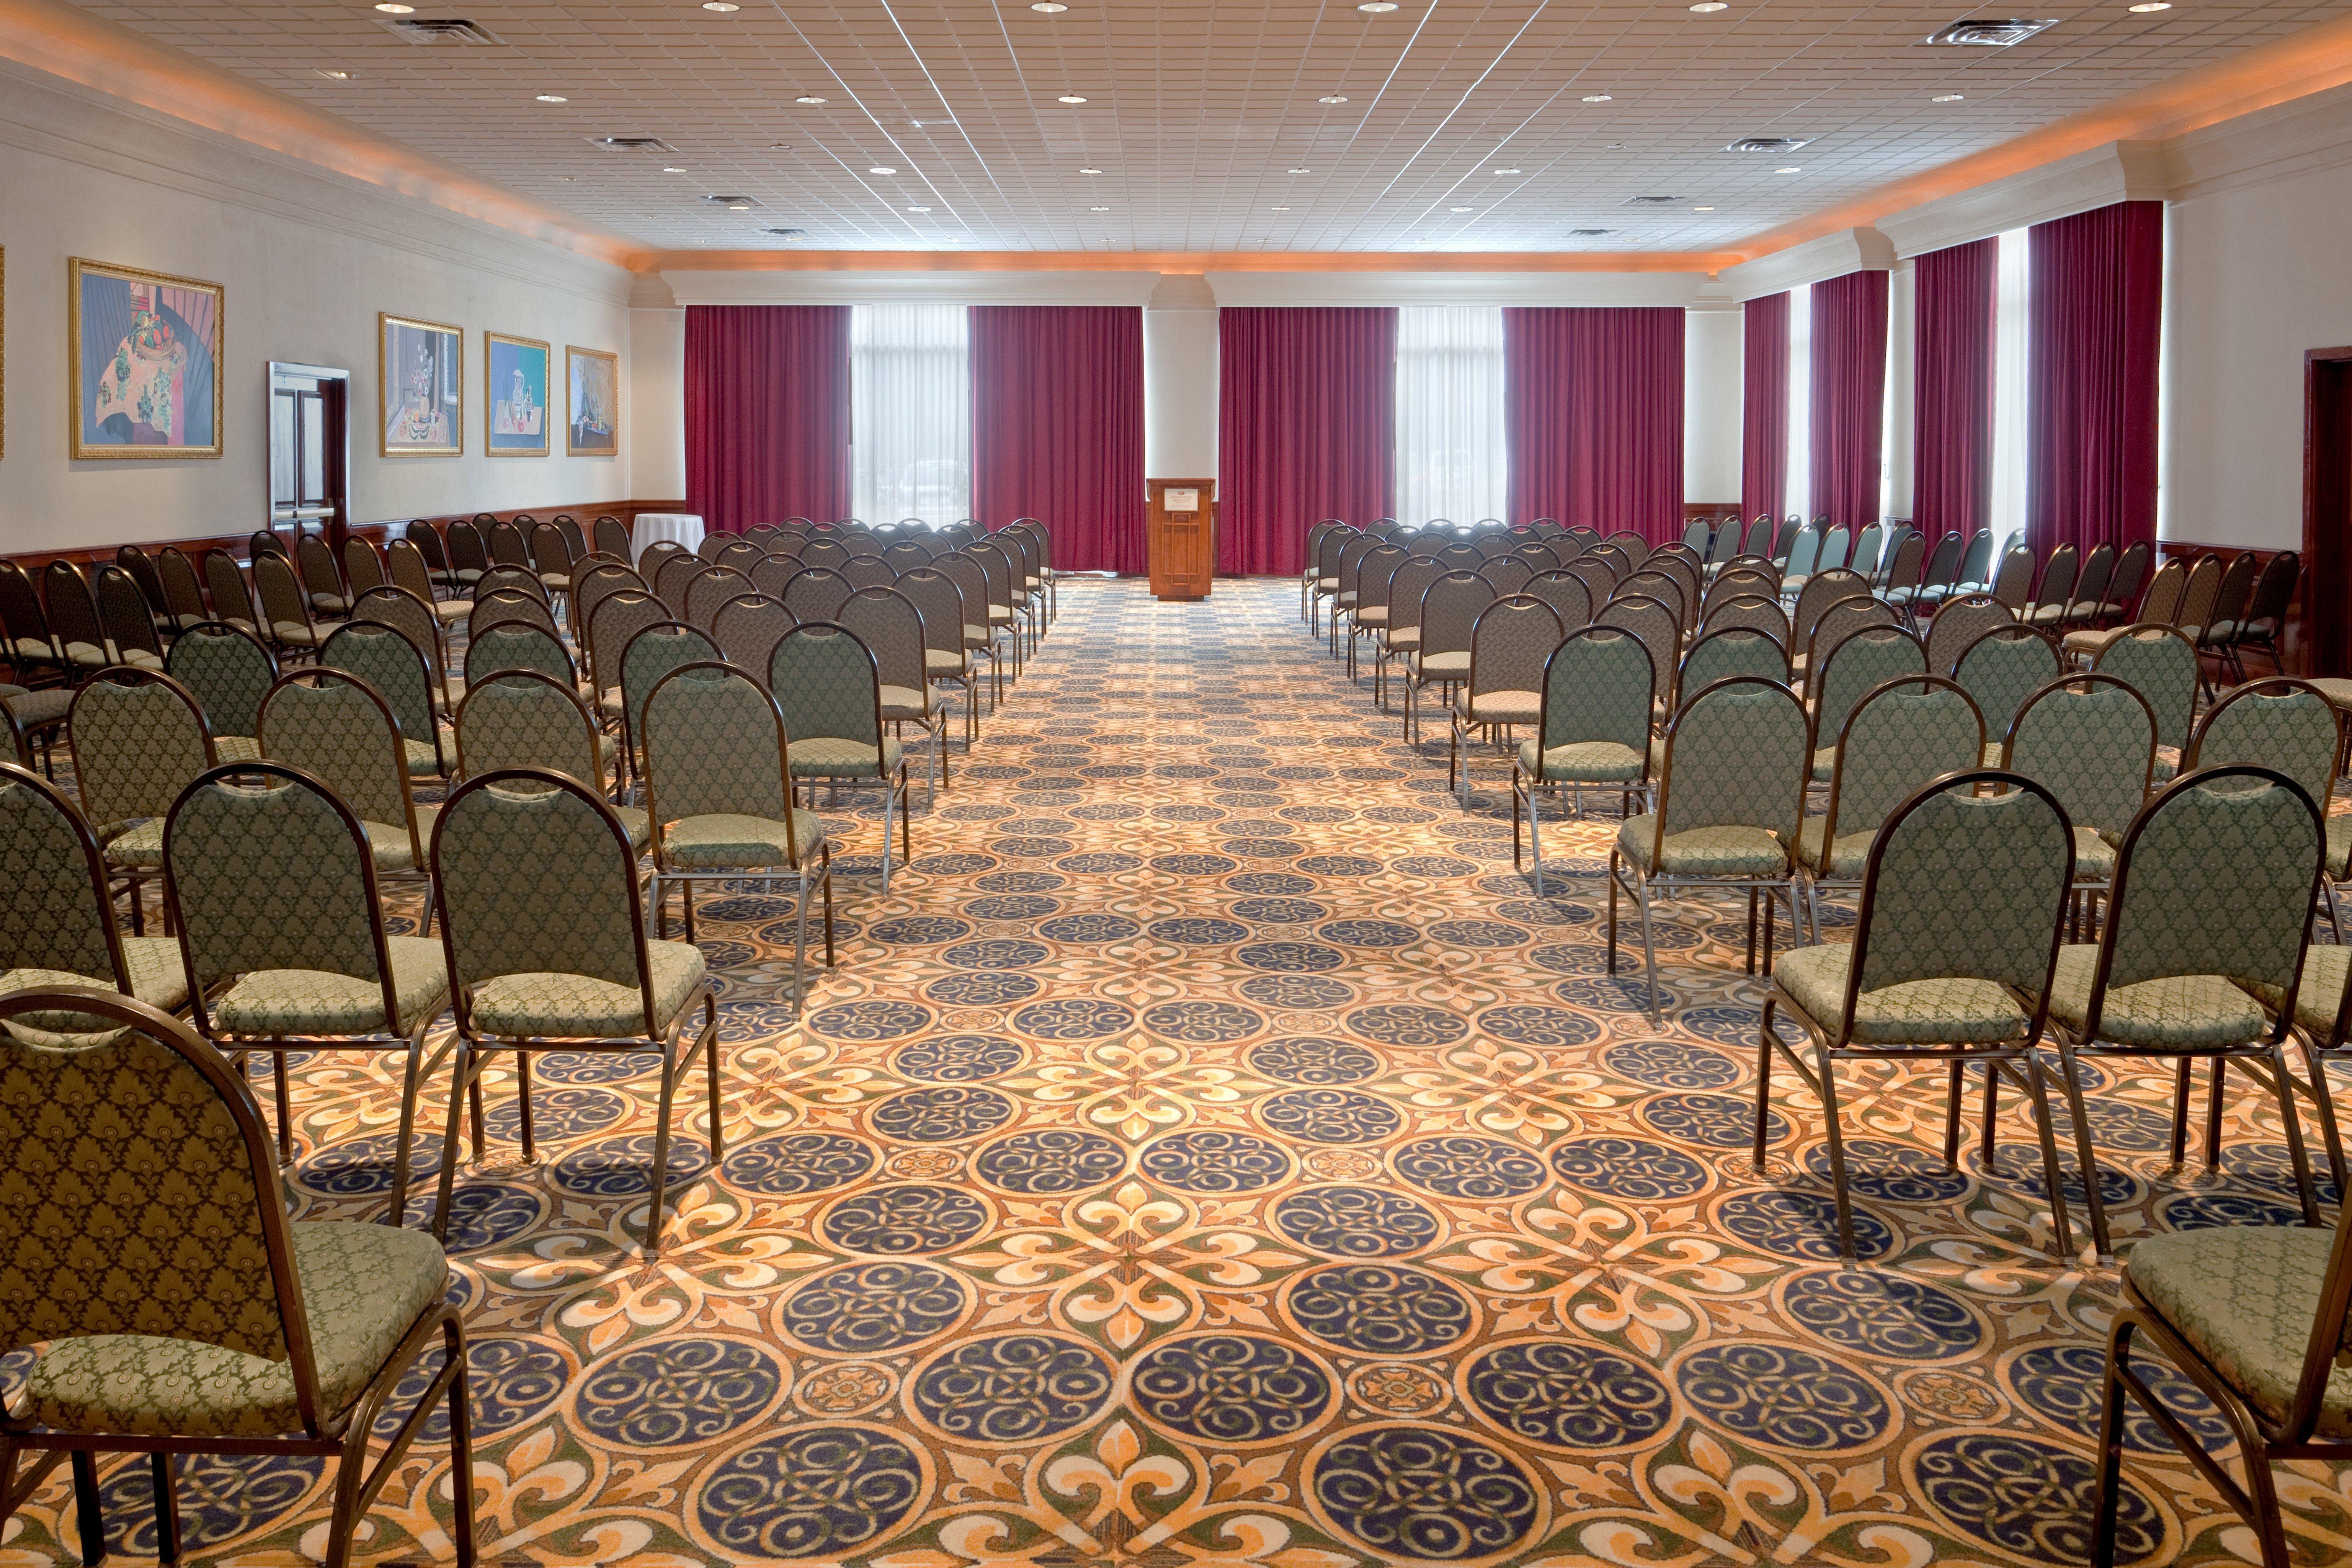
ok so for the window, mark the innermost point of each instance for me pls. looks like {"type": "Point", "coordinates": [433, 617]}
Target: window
{"type": "Point", "coordinates": [909, 413]}
{"type": "Point", "coordinates": [1798, 501]}
{"type": "Point", "coordinates": [1450, 450]}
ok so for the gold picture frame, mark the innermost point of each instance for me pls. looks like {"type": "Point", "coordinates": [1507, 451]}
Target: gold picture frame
{"type": "Point", "coordinates": [592, 403]}
{"type": "Point", "coordinates": [420, 384]}
{"type": "Point", "coordinates": [143, 369]}
{"type": "Point", "coordinates": [523, 365]}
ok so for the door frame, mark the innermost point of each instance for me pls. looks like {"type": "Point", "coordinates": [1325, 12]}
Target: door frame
{"type": "Point", "coordinates": [2327, 510]}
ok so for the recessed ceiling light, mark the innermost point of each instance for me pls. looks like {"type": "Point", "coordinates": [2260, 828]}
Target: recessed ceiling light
{"type": "Point", "coordinates": [1098, 209]}
{"type": "Point", "coordinates": [721, 5]}
{"type": "Point", "coordinates": [1708, 8]}
{"type": "Point", "coordinates": [1051, 7]}
{"type": "Point", "coordinates": [1378, 7]}
{"type": "Point", "coordinates": [389, 10]}
{"type": "Point", "coordinates": [918, 209]}
{"type": "Point", "coordinates": [1506, 171]}
{"type": "Point", "coordinates": [1596, 97]}
{"type": "Point", "coordinates": [1089, 170]}
{"type": "Point", "coordinates": [567, 179]}
{"type": "Point", "coordinates": [2151, 6]}
{"type": "Point", "coordinates": [1333, 98]}
{"type": "Point", "coordinates": [1465, 210]}
{"type": "Point", "coordinates": [332, 75]}
{"type": "Point", "coordinates": [739, 207]}
{"type": "Point", "coordinates": [1282, 209]}
{"type": "Point", "coordinates": [552, 98]}
{"type": "Point", "coordinates": [881, 169]}
{"type": "Point", "coordinates": [1072, 97]}
{"type": "Point", "coordinates": [1301, 171]}
{"type": "Point", "coordinates": [1613, 146]}
{"type": "Point", "coordinates": [1787, 168]}
{"type": "Point", "coordinates": [808, 98]}
{"type": "Point", "coordinates": [1702, 209]}
{"type": "Point", "coordinates": [1948, 97]}
{"type": "Point", "coordinates": [672, 169]}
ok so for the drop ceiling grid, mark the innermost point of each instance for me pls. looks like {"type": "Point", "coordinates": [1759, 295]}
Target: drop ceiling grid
{"type": "Point", "coordinates": [1199, 109]}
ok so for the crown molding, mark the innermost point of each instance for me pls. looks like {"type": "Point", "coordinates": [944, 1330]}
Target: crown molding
{"type": "Point", "coordinates": [1536, 288]}
{"type": "Point", "coordinates": [903, 287]}
{"type": "Point", "coordinates": [675, 263]}
{"type": "Point", "coordinates": [2119, 172]}
{"type": "Point", "coordinates": [2308, 135]}
{"type": "Point", "coordinates": [1829, 255]}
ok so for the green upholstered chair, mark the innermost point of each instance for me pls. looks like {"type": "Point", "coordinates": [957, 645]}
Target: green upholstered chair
{"type": "Point", "coordinates": [1999, 669]}
{"type": "Point", "coordinates": [286, 609]}
{"type": "Point", "coordinates": [281, 933]}
{"type": "Point", "coordinates": [546, 946]}
{"type": "Point", "coordinates": [2091, 738]}
{"type": "Point", "coordinates": [595, 581]}
{"type": "Point", "coordinates": [1594, 728]}
{"type": "Point", "coordinates": [1958, 623]}
{"type": "Point", "coordinates": [128, 618]}
{"type": "Point", "coordinates": [176, 1308]}
{"type": "Point", "coordinates": [1730, 800]}
{"type": "Point", "coordinates": [2212, 895]}
{"type": "Point", "coordinates": [391, 667]}
{"type": "Point", "coordinates": [519, 646]}
{"type": "Point", "coordinates": [57, 925]}
{"type": "Point", "coordinates": [334, 727]}
{"type": "Point", "coordinates": [407, 568]}
{"type": "Point", "coordinates": [1509, 643]}
{"type": "Point", "coordinates": [1726, 651]}
{"type": "Point", "coordinates": [526, 719]}
{"type": "Point", "coordinates": [2260, 1318]}
{"type": "Point", "coordinates": [2161, 663]}
{"type": "Point", "coordinates": [1450, 609]}
{"type": "Point", "coordinates": [1397, 637]}
{"type": "Point", "coordinates": [231, 594]}
{"type": "Point", "coordinates": [830, 688]}
{"type": "Point", "coordinates": [1862, 660]}
{"type": "Point", "coordinates": [1899, 736]}
{"type": "Point", "coordinates": [711, 589]}
{"type": "Point", "coordinates": [228, 671]}
{"type": "Point", "coordinates": [946, 660]}
{"type": "Point", "coordinates": [1654, 622]}
{"type": "Point", "coordinates": [618, 617]}
{"type": "Point", "coordinates": [718, 781]}
{"type": "Point", "coordinates": [1962, 895]}
{"type": "Point", "coordinates": [749, 625]}
{"type": "Point", "coordinates": [651, 654]}
{"type": "Point", "coordinates": [414, 618]}
{"type": "Point", "coordinates": [890, 627]}
{"type": "Point", "coordinates": [73, 617]}
{"type": "Point", "coordinates": [322, 578]}
{"type": "Point", "coordinates": [137, 738]}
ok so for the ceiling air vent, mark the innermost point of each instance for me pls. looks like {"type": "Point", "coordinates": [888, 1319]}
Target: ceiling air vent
{"type": "Point", "coordinates": [1767, 144]}
{"type": "Point", "coordinates": [789, 233]}
{"type": "Point", "coordinates": [732, 204]}
{"type": "Point", "coordinates": [632, 143]}
{"type": "Point", "coordinates": [1650, 200]}
{"type": "Point", "coordinates": [1995, 32]}
{"type": "Point", "coordinates": [1590, 233]}
{"type": "Point", "coordinates": [441, 30]}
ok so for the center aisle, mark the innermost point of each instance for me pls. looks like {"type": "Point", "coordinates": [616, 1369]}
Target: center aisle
{"type": "Point", "coordinates": [1213, 1151]}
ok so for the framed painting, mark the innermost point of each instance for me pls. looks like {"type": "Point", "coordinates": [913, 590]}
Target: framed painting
{"type": "Point", "coordinates": [421, 388]}
{"type": "Point", "coordinates": [143, 355]}
{"type": "Point", "coordinates": [594, 403]}
{"type": "Point", "coordinates": [514, 392]}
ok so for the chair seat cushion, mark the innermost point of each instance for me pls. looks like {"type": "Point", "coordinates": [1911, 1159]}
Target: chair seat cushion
{"type": "Point", "coordinates": [1954, 1011]}
{"type": "Point", "coordinates": [906, 702]}
{"type": "Point", "coordinates": [2089, 642]}
{"type": "Point", "coordinates": [1402, 639]}
{"type": "Point", "coordinates": [452, 611]}
{"type": "Point", "coordinates": [90, 655]}
{"type": "Point", "coordinates": [2180, 1012]}
{"type": "Point", "coordinates": [388, 841]}
{"type": "Point", "coordinates": [577, 1006]}
{"type": "Point", "coordinates": [2335, 689]}
{"type": "Point", "coordinates": [2245, 1298]}
{"type": "Point", "coordinates": [315, 1001]}
{"type": "Point", "coordinates": [1847, 856]}
{"type": "Point", "coordinates": [1373, 615]}
{"type": "Point", "coordinates": [1727, 851]}
{"type": "Point", "coordinates": [424, 762]}
{"type": "Point", "coordinates": [362, 1288]}
{"type": "Point", "coordinates": [2316, 1000]}
{"type": "Point", "coordinates": [698, 843]}
{"type": "Point", "coordinates": [1441, 665]}
{"type": "Point", "coordinates": [332, 604]}
{"type": "Point", "coordinates": [828, 756]}
{"type": "Point", "coordinates": [1502, 707]}
{"type": "Point", "coordinates": [1582, 762]}
{"type": "Point", "coordinates": [32, 650]}
{"type": "Point", "coordinates": [2094, 857]}
{"type": "Point", "coordinates": [2339, 847]}
{"type": "Point", "coordinates": [237, 747]}
{"type": "Point", "coordinates": [293, 634]}
{"type": "Point", "coordinates": [942, 661]}
{"type": "Point", "coordinates": [138, 845]}
{"type": "Point", "coordinates": [33, 708]}
{"type": "Point", "coordinates": [157, 978]}
{"type": "Point", "coordinates": [635, 822]}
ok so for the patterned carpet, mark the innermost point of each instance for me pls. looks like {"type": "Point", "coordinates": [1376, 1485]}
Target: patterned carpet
{"type": "Point", "coordinates": [1211, 1152]}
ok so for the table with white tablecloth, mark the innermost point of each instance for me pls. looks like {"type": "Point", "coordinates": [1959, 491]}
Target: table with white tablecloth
{"type": "Point", "coordinates": [682, 527]}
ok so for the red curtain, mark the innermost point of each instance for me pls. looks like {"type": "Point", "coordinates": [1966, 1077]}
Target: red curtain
{"type": "Point", "coordinates": [1057, 427]}
{"type": "Point", "coordinates": [1849, 396]}
{"type": "Point", "coordinates": [2093, 326]}
{"type": "Point", "coordinates": [1594, 401]}
{"type": "Point", "coordinates": [1305, 429]}
{"type": "Point", "coordinates": [1952, 382]}
{"type": "Point", "coordinates": [767, 413]}
{"type": "Point", "coordinates": [1764, 405]}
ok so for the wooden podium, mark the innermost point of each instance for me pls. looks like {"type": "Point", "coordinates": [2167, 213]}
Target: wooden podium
{"type": "Point", "coordinates": [1182, 537]}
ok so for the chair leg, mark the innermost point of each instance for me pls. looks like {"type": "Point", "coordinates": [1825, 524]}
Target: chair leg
{"type": "Point", "coordinates": [2111, 1445]}
{"type": "Point", "coordinates": [710, 1068]}
{"type": "Point", "coordinates": [2296, 1154]}
{"type": "Point", "coordinates": [2037, 1089]}
{"type": "Point", "coordinates": [461, 1445]}
{"type": "Point", "coordinates": [673, 1066]}
{"type": "Point", "coordinates": [1836, 1138]}
{"type": "Point", "coordinates": [522, 1098]}
{"type": "Point", "coordinates": [90, 1516]}
{"type": "Point", "coordinates": [2072, 1081]}
{"type": "Point", "coordinates": [285, 1108]}
{"type": "Point", "coordinates": [398, 1211]}
{"type": "Point", "coordinates": [1649, 947]}
{"type": "Point", "coordinates": [1764, 1041]}
{"type": "Point", "coordinates": [167, 1508]}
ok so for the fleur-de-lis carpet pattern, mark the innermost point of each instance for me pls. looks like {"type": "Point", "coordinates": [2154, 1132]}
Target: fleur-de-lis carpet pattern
{"type": "Point", "coordinates": [1211, 1150]}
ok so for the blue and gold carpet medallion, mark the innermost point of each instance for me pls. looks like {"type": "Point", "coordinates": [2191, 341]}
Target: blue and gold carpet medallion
{"type": "Point", "coordinates": [1211, 1152]}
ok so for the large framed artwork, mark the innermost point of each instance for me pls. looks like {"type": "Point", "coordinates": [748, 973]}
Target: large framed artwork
{"type": "Point", "coordinates": [421, 388]}
{"type": "Point", "coordinates": [594, 405]}
{"type": "Point", "coordinates": [143, 355]}
{"type": "Point", "coordinates": [515, 387]}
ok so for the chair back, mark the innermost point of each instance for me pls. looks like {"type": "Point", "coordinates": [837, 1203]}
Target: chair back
{"type": "Point", "coordinates": [2090, 590]}
{"type": "Point", "coordinates": [518, 646]}
{"type": "Point", "coordinates": [425, 540]}
{"type": "Point", "coordinates": [1698, 534]}
{"type": "Point", "coordinates": [1408, 588]}
{"type": "Point", "coordinates": [1374, 575]}
{"type": "Point", "coordinates": [183, 589]}
{"type": "Point", "coordinates": [333, 726]}
{"type": "Point", "coordinates": [362, 567]}
{"type": "Point", "coordinates": [1803, 553]}
{"type": "Point", "coordinates": [509, 547]}
{"type": "Point", "coordinates": [2012, 585]}
{"type": "Point", "coordinates": [1943, 561]}
{"type": "Point", "coordinates": [1976, 562]}
{"type": "Point", "coordinates": [1898, 738]}
{"type": "Point", "coordinates": [125, 611]}
{"type": "Point", "coordinates": [1843, 670]}
{"type": "Point", "coordinates": [1449, 609]}
{"type": "Point", "coordinates": [2198, 596]}
{"type": "Point", "coordinates": [1635, 548]}
{"type": "Point", "coordinates": [828, 685]}
{"type": "Point", "coordinates": [73, 612]}
{"type": "Point", "coordinates": [138, 737]}
{"type": "Point", "coordinates": [2281, 722]}
{"type": "Point", "coordinates": [822, 551]}
{"type": "Point", "coordinates": [57, 916]}
{"type": "Point", "coordinates": [467, 553]}
{"type": "Point", "coordinates": [1506, 574]}
{"type": "Point", "coordinates": [2056, 589]}
{"type": "Point", "coordinates": [2131, 570]}
{"type": "Point", "coordinates": [904, 555]}
{"type": "Point", "coordinates": [708, 590]}
{"type": "Point", "coordinates": [1660, 630]}
{"type": "Point", "coordinates": [1840, 620]}
{"type": "Point", "coordinates": [1757, 541]}
{"type": "Point", "coordinates": [2266, 616]}
{"type": "Point", "coordinates": [1539, 555]}
{"type": "Point", "coordinates": [1834, 546]}
{"type": "Point", "coordinates": [284, 606]}
{"type": "Point", "coordinates": [2231, 599]}
{"type": "Point", "coordinates": [2159, 662]}
{"type": "Point", "coordinates": [653, 556]}
{"type": "Point", "coordinates": [508, 607]}
{"type": "Point", "coordinates": [890, 627]}
{"type": "Point", "coordinates": [1736, 756]}
{"type": "Point", "coordinates": [1565, 592]}
{"type": "Point", "coordinates": [1866, 544]}
{"type": "Point", "coordinates": [142, 567]}
{"type": "Point", "coordinates": [2003, 667]}
{"type": "Point", "coordinates": [672, 576]}
{"type": "Point", "coordinates": [1758, 612]}
{"type": "Point", "coordinates": [1725, 542]}
{"type": "Point", "coordinates": [1662, 586]}
{"type": "Point", "coordinates": [1509, 642]}
{"type": "Point", "coordinates": [2162, 601]}
{"type": "Point", "coordinates": [1903, 569]}
{"type": "Point", "coordinates": [774, 570]}
{"type": "Point", "coordinates": [1958, 623]}
{"type": "Point", "coordinates": [1460, 555]}
{"type": "Point", "coordinates": [26, 623]}
{"type": "Point", "coordinates": [576, 541]}
{"type": "Point", "coordinates": [868, 572]}
{"type": "Point", "coordinates": [591, 585]}
{"type": "Point", "coordinates": [408, 569]}
{"type": "Point", "coordinates": [1731, 651]}
{"type": "Point", "coordinates": [322, 578]}
{"type": "Point", "coordinates": [653, 653]}
{"type": "Point", "coordinates": [612, 537]}
{"type": "Point", "coordinates": [715, 745]}
{"type": "Point", "coordinates": [232, 595]}
{"type": "Point", "coordinates": [1822, 589]}
{"type": "Point", "coordinates": [1597, 686]}
{"type": "Point", "coordinates": [2091, 738]}
{"type": "Point", "coordinates": [513, 580]}
{"type": "Point", "coordinates": [535, 875]}
{"type": "Point", "coordinates": [288, 847]}
{"type": "Point", "coordinates": [409, 616]}
{"type": "Point", "coordinates": [551, 552]}
{"type": "Point", "coordinates": [517, 718]}
{"type": "Point", "coordinates": [935, 597]}
{"type": "Point", "coordinates": [203, 1253]}
{"type": "Point", "coordinates": [394, 669]}
{"type": "Point", "coordinates": [817, 593]}
{"type": "Point", "coordinates": [227, 670]}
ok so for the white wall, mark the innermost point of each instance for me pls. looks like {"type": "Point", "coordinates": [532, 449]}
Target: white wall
{"type": "Point", "coordinates": [1180, 381]}
{"type": "Point", "coordinates": [1896, 479]}
{"type": "Point", "coordinates": [658, 396]}
{"type": "Point", "coordinates": [1711, 399]}
{"type": "Point", "coordinates": [307, 260]}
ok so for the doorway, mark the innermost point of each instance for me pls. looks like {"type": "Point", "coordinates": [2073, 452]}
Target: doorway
{"type": "Point", "coordinates": [2327, 510]}
{"type": "Point", "coordinates": [310, 450]}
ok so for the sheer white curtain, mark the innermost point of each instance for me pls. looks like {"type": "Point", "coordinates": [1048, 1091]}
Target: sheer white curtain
{"type": "Point", "coordinates": [2012, 287]}
{"type": "Point", "coordinates": [1450, 451]}
{"type": "Point", "coordinates": [1799, 497]}
{"type": "Point", "coordinates": [909, 413]}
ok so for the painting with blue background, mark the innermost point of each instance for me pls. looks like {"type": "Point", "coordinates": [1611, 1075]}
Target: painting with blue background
{"type": "Point", "coordinates": [138, 343]}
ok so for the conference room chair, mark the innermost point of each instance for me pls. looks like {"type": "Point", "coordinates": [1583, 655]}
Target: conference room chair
{"type": "Point", "coordinates": [1721, 654]}
{"type": "Point", "coordinates": [1002, 599]}
{"type": "Point", "coordinates": [1450, 609]}
{"type": "Point", "coordinates": [747, 628]}
{"type": "Point", "coordinates": [1958, 623]}
{"type": "Point", "coordinates": [946, 659]}
{"type": "Point", "coordinates": [1007, 585]}
{"type": "Point", "coordinates": [2160, 663]}
{"type": "Point", "coordinates": [1852, 665]}
{"type": "Point", "coordinates": [1375, 576]}
{"type": "Point", "coordinates": [520, 718]}
{"type": "Point", "coordinates": [2264, 622]}
{"type": "Point", "coordinates": [227, 670]}
{"type": "Point", "coordinates": [1509, 642]}
{"type": "Point", "coordinates": [551, 557]}
{"type": "Point", "coordinates": [2091, 740]}
{"type": "Point", "coordinates": [1999, 669]}
{"type": "Point", "coordinates": [61, 929]}
{"type": "Point", "coordinates": [285, 620]}
{"type": "Point", "coordinates": [433, 548]}
{"type": "Point", "coordinates": [671, 577]}
{"type": "Point", "coordinates": [406, 567]}
{"type": "Point", "coordinates": [1933, 977]}
{"type": "Point", "coordinates": [651, 653]}
{"type": "Point", "coordinates": [334, 727]}
{"type": "Point", "coordinates": [138, 737]}
{"type": "Point", "coordinates": [1322, 561]}
{"type": "Point", "coordinates": [1656, 623]}
{"type": "Point", "coordinates": [2199, 596]}
{"type": "Point", "coordinates": [1796, 565]}
{"type": "Point", "coordinates": [362, 567]}
{"type": "Point", "coordinates": [415, 619]}
{"type": "Point", "coordinates": [2054, 593]}
{"type": "Point", "coordinates": [738, 554]}
{"type": "Point", "coordinates": [719, 782]}
{"type": "Point", "coordinates": [650, 559]}
{"type": "Point", "coordinates": [706, 591]}
{"type": "Point", "coordinates": [824, 550]}
{"type": "Point", "coordinates": [1897, 738]}
{"type": "Point", "coordinates": [502, 606]}
{"type": "Point", "coordinates": [469, 553]}
{"type": "Point", "coordinates": [2157, 608]}
{"type": "Point", "coordinates": [1837, 622]}
{"type": "Point", "coordinates": [391, 667]}
{"type": "Point", "coordinates": [1570, 599]}
{"type": "Point", "coordinates": [590, 585]}
{"type": "Point", "coordinates": [1822, 589]}
{"type": "Point", "coordinates": [868, 572]}
{"type": "Point", "coordinates": [1868, 545]}
{"type": "Point", "coordinates": [576, 541]}
{"type": "Point", "coordinates": [126, 617]}
{"type": "Point", "coordinates": [518, 646]}
{"type": "Point", "coordinates": [1730, 800]}
{"type": "Point", "coordinates": [508, 544]}
{"type": "Point", "coordinates": [619, 616]}
{"type": "Point", "coordinates": [828, 686]}
{"type": "Point", "coordinates": [81, 635]}
{"type": "Point", "coordinates": [181, 591]}
{"type": "Point", "coordinates": [890, 627]}
{"type": "Point", "coordinates": [2231, 601]}
{"type": "Point", "coordinates": [815, 593]}
{"type": "Point", "coordinates": [323, 580]}
{"type": "Point", "coordinates": [338, 1315]}
{"type": "Point", "coordinates": [1593, 730]}
{"type": "Point", "coordinates": [612, 537]}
